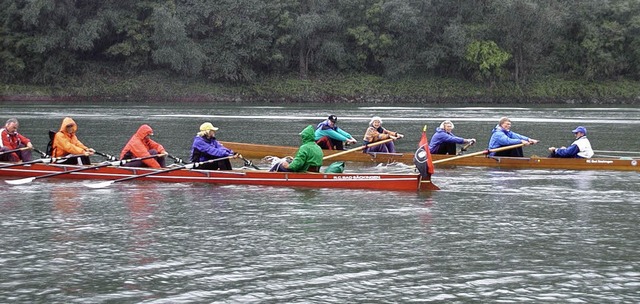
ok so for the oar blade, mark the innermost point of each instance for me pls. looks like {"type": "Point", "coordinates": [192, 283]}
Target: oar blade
{"type": "Point", "coordinates": [20, 181]}
{"type": "Point", "coordinates": [98, 185]}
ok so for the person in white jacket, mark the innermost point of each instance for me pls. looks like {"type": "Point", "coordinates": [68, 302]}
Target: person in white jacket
{"type": "Point", "coordinates": [580, 148]}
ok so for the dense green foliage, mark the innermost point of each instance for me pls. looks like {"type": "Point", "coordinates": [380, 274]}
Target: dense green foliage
{"type": "Point", "coordinates": [515, 42]}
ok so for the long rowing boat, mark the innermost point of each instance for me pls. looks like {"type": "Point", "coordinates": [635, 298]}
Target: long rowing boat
{"type": "Point", "coordinates": [396, 182]}
{"type": "Point", "coordinates": [533, 162]}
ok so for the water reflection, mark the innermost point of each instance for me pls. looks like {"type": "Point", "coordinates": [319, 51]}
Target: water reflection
{"type": "Point", "coordinates": [141, 205]}
{"type": "Point", "coordinates": [65, 202]}
{"type": "Point", "coordinates": [67, 239]}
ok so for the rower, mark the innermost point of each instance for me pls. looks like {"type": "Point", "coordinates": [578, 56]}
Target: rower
{"type": "Point", "coordinates": [375, 132]}
{"type": "Point", "coordinates": [502, 136]}
{"type": "Point", "coordinates": [206, 147]}
{"type": "Point", "coordinates": [580, 148]}
{"type": "Point", "coordinates": [328, 136]}
{"type": "Point", "coordinates": [12, 141]}
{"type": "Point", "coordinates": [65, 142]}
{"type": "Point", "coordinates": [444, 141]}
{"type": "Point", "coordinates": [308, 157]}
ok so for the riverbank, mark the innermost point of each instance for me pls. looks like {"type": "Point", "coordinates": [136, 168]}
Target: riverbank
{"type": "Point", "coordinates": [345, 89]}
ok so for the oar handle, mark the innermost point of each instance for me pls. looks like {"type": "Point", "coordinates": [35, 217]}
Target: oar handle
{"type": "Point", "coordinates": [40, 152]}
{"type": "Point", "coordinates": [248, 162]}
{"type": "Point", "coordinates": [108, 156]}
{"type": "Point", "coordinates": [465, 147]}
{"type": "Point", "coordinates": [358, 148]}
{"type": "Point", "coordinates": [177, 160]}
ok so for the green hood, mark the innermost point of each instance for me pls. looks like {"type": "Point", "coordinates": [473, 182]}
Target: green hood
{"type": "Point", "coordinates": [308, 134]}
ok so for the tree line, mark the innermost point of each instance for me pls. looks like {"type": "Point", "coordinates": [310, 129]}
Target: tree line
{"type": "Point", "coordinates": [240, 41]}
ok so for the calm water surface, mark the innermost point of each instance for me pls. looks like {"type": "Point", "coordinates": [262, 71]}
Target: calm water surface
{"type": "Point", "coordinates": [491, 235]}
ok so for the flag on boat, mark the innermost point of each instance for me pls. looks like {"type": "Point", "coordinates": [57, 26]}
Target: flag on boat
{"type": "Point", "coordinates": [422, 157]}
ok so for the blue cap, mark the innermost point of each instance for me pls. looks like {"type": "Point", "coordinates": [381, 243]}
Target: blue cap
{"type": "Point", "coordinates": [580, 129]}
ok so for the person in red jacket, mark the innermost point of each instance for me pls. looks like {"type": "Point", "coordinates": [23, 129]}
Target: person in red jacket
{"type": "Point", "coordinates": [65, 143]}
{"type": "Point", "coordinates": [141, 145]}
{"type": "Point", "coordinates": [11, 140]}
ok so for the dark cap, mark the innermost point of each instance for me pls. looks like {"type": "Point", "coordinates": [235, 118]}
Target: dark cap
{"type": "Point", "coordinates": [333, 118]}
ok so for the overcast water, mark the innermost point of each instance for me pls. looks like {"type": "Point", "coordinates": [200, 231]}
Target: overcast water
{"type": "Point", "coordinates": [490, 235]}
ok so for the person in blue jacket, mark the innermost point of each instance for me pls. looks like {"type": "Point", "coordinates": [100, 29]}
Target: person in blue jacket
{"type": "Point", "coordinates": [503, 136]}
{"type": "Point", "coordinates": [206, 147]}
{"type": "Point", "coordinates": [444, 142]}
{"type": "Point", "coordinates": [329, 137]}
{"type": "Point", "coordinates": [580, 148]}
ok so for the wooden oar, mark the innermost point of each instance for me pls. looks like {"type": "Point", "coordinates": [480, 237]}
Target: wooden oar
{"type": "Point", "coordinates": [358, 148]}
{"type": "Point", "coordinates": [47, 160]}
{"type": "Point", "coordinates": [478, 153]}
{"type": "Point", "coordinates": [113, 163]}
{"type": "Point", "coordinates": [14, 150]}
{"type": "Point", "coordinates": [187, 166]}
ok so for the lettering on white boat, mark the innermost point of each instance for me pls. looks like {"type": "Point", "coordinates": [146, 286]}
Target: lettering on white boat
{"type": "Point", "coordinates": [356, 177]}
{"type": "Point", "coordinates": [599, 161]}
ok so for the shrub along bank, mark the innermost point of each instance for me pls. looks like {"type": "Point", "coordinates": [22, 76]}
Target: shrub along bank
{"type": "Point", "coordinates": [338, 89]}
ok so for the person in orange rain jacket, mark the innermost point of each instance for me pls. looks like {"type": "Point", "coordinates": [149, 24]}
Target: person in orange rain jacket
{"type": "Point", "coordinates": [66, 143]}
{"type": "Point", "coordinates": [141, 145]}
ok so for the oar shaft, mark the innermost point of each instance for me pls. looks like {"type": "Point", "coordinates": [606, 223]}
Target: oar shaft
{"type": "Point", "coordinates": [113, 163]}
{"type": "Point", "coordinates": [187, 166]}
{"type": "Point", "coordinates": [478, 153]}
{"type": "Point", "coordinates": [14, 150]}
{"type": "Point", "coordinates": [42, 160]}
{"type": "Point", "coordinates": [358, 148]}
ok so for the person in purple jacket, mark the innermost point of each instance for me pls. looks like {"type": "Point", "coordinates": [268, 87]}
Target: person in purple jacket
{"type": "Point", "coordinates": [444, 142]}
{"type": "Point", "coordinates": [503, 136]}
{"type": "Point", "coordinates": [206, 147]}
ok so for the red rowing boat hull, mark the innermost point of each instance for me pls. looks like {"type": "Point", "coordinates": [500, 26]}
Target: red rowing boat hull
{"type": "Point", "coordinates": [395, 182]}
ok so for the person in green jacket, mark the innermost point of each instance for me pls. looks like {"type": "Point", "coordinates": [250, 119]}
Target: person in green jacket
{"type": "Point", "coordinates": [308, 157]}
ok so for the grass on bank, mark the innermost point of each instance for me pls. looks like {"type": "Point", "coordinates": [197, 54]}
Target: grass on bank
{"type": "Point", "coordinates": [353, 88]}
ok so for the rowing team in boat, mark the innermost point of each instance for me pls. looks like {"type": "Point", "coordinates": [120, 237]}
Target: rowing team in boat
{"type": "Point", "coordinates": [65, 145]}
{"type": "Point", "coordinates": [143, 151]}
{"type": "Point", "coordinates": [330, 136]}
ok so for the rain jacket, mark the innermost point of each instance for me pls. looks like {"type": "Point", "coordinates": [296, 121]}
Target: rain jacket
{"type": "Point", "coordinates": [309, 153]}
{"type": "Point", "coordinates": [581, 148]}
{"type": "Point", "coordinates": [501, 137]}
{"type": "Point", "coordinates": [442, 137]}
{"type": "Point", "coordinates": [323, 129]}
{"type": "Point", "coordinates": [204, 149]}
{"type": "Point", "coordinates": [67, 143]}
{"type": "Point", "coordinates": [139, 146]}
{"type": "Point", "coordinates": [12, 141]}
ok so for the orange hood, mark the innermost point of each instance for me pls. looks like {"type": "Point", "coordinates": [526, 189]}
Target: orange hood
{"type": "Point", "coordinates": [143, 131]}
{"type": "Point", "coordinates": [67, 121]}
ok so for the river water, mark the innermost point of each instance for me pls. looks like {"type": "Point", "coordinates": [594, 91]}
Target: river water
{"type": "Point", "coordinates": [490, 235]}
